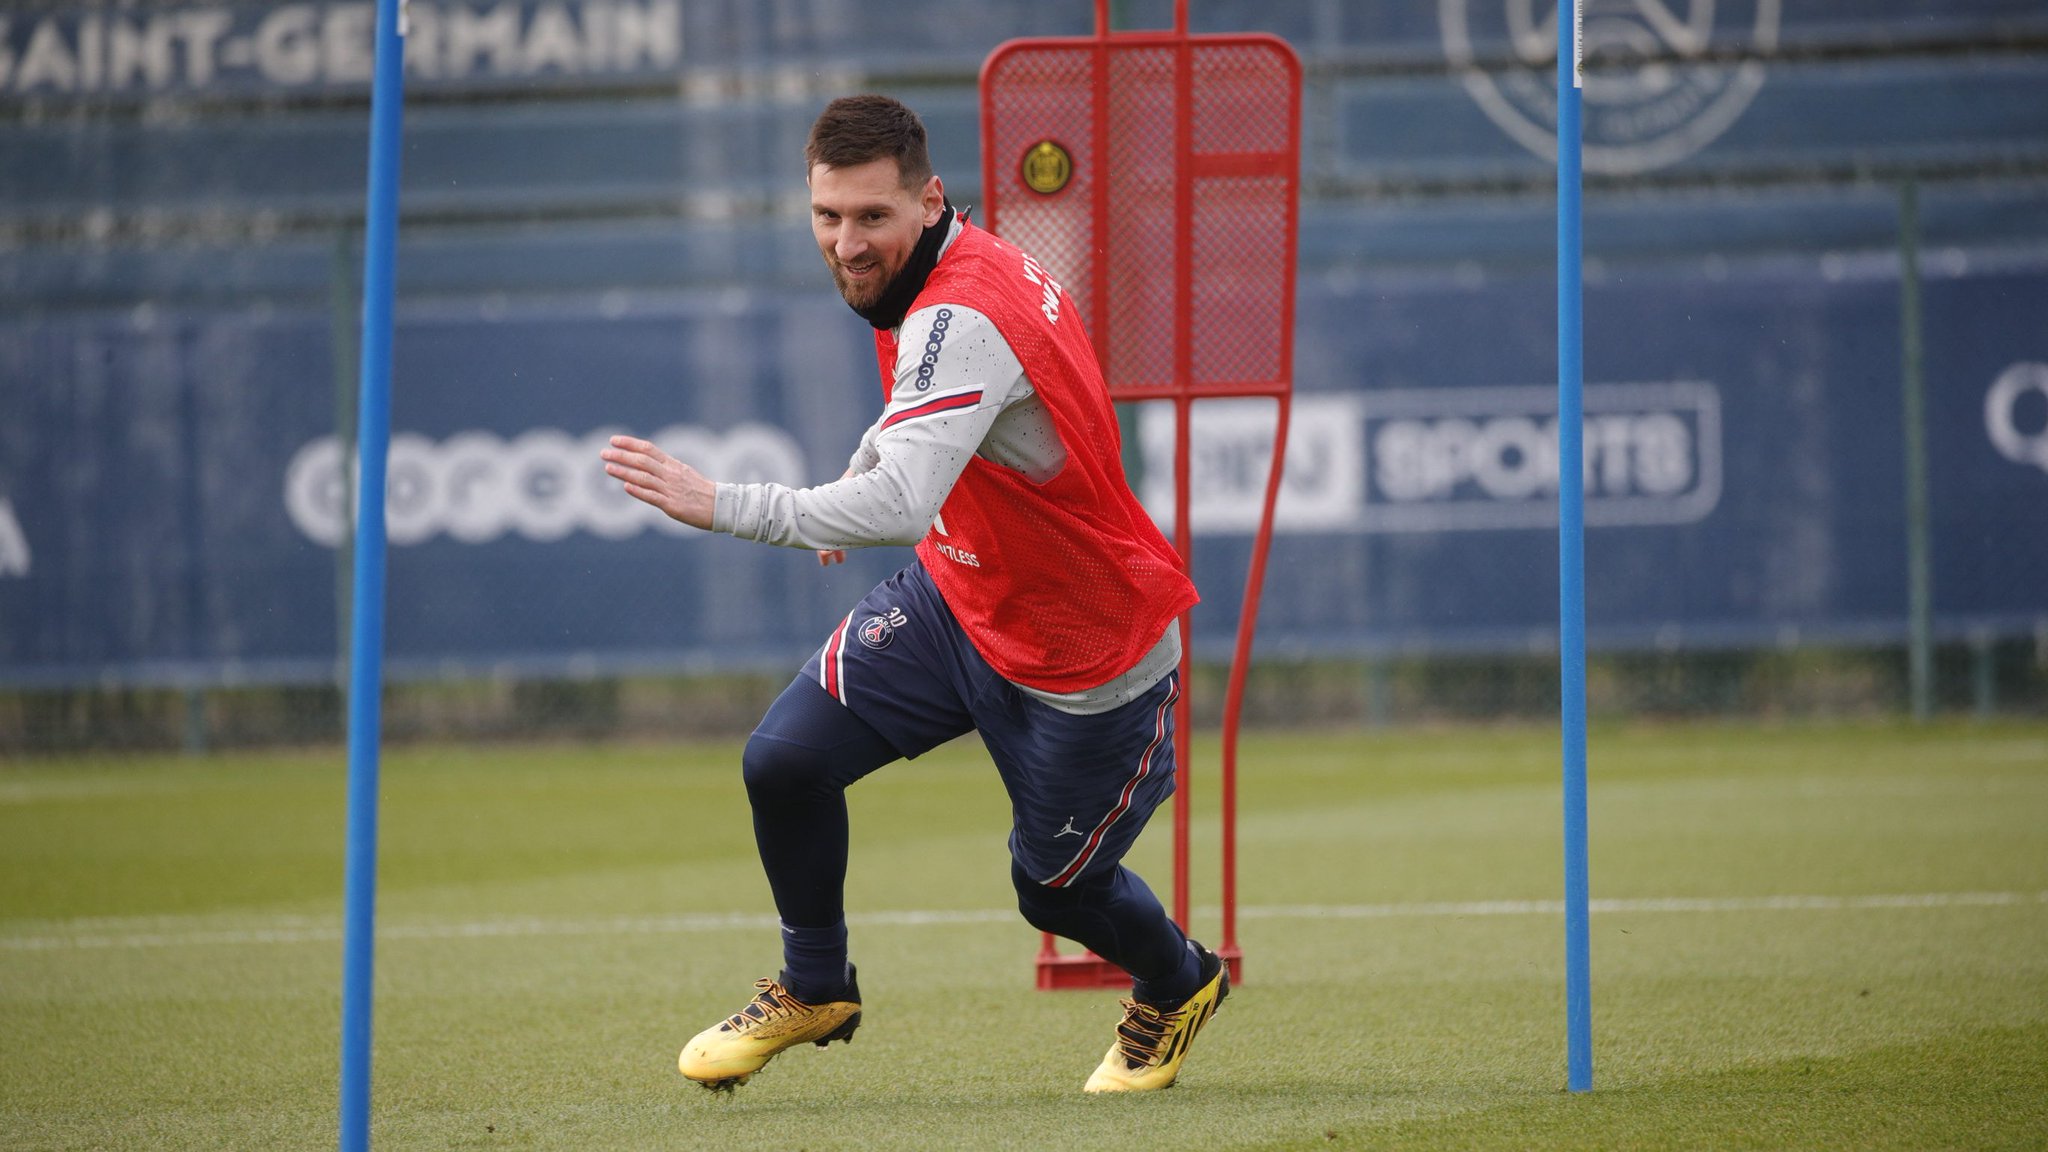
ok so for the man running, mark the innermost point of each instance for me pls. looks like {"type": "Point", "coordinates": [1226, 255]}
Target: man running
{"type": "Point", "coordinates": [1040, 610]}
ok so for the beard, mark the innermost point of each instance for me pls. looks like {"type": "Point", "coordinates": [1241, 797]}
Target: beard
{"type": "Point", "coordinates": [859, 293]}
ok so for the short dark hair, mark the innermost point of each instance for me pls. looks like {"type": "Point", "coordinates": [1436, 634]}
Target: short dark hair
{"type": "Point", "coordinates": [854, 130]}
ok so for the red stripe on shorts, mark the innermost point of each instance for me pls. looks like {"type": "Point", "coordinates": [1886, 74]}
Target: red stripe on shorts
{"type": "Point", "coordinates": [1123, 800]}
{"type": "Point", "coordinates": [831, 669]}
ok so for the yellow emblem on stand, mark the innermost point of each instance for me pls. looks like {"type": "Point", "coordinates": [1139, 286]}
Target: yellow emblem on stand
{"type": "Point", "coordinates": [1047, 168]}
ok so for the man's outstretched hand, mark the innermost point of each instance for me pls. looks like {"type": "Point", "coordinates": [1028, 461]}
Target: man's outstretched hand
{"type": "Point", "coordinates": [654, 477]}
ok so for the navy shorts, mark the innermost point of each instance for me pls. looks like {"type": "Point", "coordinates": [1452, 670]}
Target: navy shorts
{"type": "Point", "coordinates": [1081, 787]}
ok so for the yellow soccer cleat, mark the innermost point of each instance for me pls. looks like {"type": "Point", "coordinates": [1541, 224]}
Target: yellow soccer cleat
{"type": "Point", "coordinates": [1151, 1043]}
{"type": "Point", "coordinates": [723, 1056]}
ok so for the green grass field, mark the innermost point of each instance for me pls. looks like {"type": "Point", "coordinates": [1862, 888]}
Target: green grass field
{"type": "Point", "coordinates": [1807, 937]}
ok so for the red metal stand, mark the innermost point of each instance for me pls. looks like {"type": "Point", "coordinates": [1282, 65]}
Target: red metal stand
{"type": "Point", "coordinates": [1156, 175]}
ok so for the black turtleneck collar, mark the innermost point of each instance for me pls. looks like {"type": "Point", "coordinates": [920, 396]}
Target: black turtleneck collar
{"type": "Point", "coordinates": [888, 312]}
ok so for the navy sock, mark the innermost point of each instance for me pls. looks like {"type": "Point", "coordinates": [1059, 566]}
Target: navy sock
{"type": "Point", "coordinates": [1171, 991]}
{"type": "Point", "coordinates": [814, 962]}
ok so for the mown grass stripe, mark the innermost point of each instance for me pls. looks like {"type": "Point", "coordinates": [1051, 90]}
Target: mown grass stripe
{"type": "Point", "coordinates": [299, 931]}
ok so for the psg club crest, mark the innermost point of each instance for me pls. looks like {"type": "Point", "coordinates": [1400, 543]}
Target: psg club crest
{"type": "Point", "coordinates": [1659, 82]}
{"type": "Point", "coordinates": [877, 631]}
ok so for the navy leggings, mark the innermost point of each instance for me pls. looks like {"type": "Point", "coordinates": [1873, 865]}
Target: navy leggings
{"type": "Point", "coordinates": [798, 764]}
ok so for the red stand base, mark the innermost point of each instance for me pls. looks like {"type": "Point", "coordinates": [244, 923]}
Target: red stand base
{"type": "Point", "coordinates": [1087, 970]}
{"type": "Point", "coordinates": [1083, 970]}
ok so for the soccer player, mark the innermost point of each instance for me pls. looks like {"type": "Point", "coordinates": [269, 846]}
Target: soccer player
{"type": "Point", "coordinates": [1040, 610]}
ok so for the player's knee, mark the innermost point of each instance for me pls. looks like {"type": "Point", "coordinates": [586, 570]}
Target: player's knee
{"type": "Point", "coordinates": [1044, 908]}
{"type": "Point", "coordinates": [1047, 913]}
{"type": "Point", "coordinates": [777, 771]}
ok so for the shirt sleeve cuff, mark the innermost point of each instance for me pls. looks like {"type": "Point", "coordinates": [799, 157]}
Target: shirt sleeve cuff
{"type": "Point", "coordinates": [725, 508]}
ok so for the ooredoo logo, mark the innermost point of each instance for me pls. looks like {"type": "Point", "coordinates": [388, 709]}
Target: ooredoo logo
{"type": "Point", "coordinates": [2016, 414]}
{"type": "Point", "coordinates": [930, 361]}
{"type": "Point", "coordinates": [1651, 96]}
{"type": "Point", "coordinates": [543, 484]}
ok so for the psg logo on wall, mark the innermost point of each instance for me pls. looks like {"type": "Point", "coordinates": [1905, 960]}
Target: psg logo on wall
{"type": "Point", "coordinates": [1659, 80]}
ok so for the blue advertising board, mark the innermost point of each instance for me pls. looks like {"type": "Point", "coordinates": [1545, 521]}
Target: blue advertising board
{"type": "Point", "coordinates": [605, 234]}
{"type": "Point", "coordinates": [172, 491]}
{"type": "Point", "coordinates": [1744, 467]}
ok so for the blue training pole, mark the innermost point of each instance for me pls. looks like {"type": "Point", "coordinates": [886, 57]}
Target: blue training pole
{"type": "Point", "coordinates": [1571, 556]}
{"type": "Point", "coordinates": [366, 649]}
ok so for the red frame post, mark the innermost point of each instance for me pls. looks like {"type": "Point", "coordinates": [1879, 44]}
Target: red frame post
{"type": "Point", "coordinates": [1191, 165]}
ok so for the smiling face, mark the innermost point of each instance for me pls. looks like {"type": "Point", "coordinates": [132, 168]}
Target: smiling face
{"type": "Point", "coordinates": [867, 224]}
